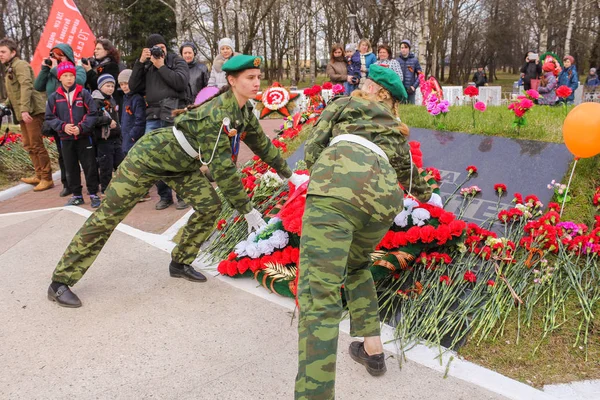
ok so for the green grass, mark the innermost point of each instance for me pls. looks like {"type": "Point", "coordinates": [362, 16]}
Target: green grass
{"type": "Point", "coordinates": [543, 123]}
{"type": "Point", "coordinates": [555, 361]}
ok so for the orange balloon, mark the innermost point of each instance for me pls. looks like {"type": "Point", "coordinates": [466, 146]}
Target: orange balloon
{"type": "Point", "coordinates": [581, 130]}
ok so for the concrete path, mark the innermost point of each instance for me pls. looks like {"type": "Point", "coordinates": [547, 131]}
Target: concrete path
{"type": "Point", "coordinates": [142, 334]}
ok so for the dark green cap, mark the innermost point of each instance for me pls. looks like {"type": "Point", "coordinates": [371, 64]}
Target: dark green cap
{"type": "Point", "coordinates": [241, 62]}
{"type": "Point", "coordinates": [389, 80]}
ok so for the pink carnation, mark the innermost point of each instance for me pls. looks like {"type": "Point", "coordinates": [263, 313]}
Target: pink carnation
{"type": "Point", "coordinates": [533, 94]}
{"type": "Point", "coordinates": [480, 106]}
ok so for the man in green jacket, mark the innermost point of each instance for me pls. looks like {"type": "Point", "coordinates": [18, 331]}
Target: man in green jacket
{"type": "Point", "coordinates": [29, 108]}
{"type": "Point", "coordinates": [47, 81]}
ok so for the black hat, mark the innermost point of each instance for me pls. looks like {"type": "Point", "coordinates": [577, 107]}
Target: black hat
{"type": "Point", "coordinates": [188, 44]}
{"type": "Point", "coordinates": [155, 39]}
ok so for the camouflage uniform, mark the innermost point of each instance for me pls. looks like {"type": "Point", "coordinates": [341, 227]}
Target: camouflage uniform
{"type": "Point", "coordinates": [158, 155]}
{"type": "Point", "coordinates": [352, 199]}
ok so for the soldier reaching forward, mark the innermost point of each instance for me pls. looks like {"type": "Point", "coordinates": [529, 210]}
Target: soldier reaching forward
{"type": "Point", "coordinates": [208, 135]}
{"type": "Point", "coordinates": [357, 153]}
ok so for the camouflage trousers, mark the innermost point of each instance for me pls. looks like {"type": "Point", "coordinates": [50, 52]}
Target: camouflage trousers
{"type": "Point", "coordinates": [337, 238]}
{"type": "Point", "coordinates": [156, 156]}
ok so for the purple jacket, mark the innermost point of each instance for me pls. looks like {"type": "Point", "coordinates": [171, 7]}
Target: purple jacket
{"type": "Point", "coordinates": [548, 92]}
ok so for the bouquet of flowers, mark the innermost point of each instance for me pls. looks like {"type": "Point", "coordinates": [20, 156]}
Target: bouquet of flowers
{"type": "Point", "coordinates": [438, 109]}
{"type": "Point", "coordinates": [520, 107]}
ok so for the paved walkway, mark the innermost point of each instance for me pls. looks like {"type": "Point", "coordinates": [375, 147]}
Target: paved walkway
{"type": "Point", "coordinates": [142, 334]}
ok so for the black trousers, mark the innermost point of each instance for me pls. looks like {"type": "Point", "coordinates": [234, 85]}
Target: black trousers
{"type": "Point", "coordinates": [110, 155]}
{"type": "Point", "coordinates": [61, 160]}
{"type": "Point", "coordinates": [76, 152]}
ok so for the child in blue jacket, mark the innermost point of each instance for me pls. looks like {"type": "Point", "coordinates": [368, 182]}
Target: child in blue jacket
{"type": "Point", "coordinates": [71, 112]}
{"type": "Point", "coordinates": [133, 113]}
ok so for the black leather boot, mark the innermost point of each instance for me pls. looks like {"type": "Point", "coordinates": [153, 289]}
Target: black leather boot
{"type": "Point", "coordinates": [185, 271]}
{"type": "Point", "coordinates": [64, 296]}
{"type": "Point", "coordinates": [374, 364]}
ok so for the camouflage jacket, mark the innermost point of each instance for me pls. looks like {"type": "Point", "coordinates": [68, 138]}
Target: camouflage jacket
{"type": "Point", "coordinates": [201, 128]}
{"type": "Point", "coordinates": [353, 173]}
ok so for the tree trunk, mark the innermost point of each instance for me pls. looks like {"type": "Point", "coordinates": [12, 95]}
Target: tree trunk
{"type": "Point", "coordinates": [544, 16]}
{"type": "Point", "coordinates": [453, 74]}
{"type": "Point", "coordinates": [570, 27]}
{"type": "Point", "coordinates": [313, 46]}
{"type": "Point", "coordinates": [424, 34]}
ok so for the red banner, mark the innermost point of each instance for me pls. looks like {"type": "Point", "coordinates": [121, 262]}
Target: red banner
{"type": "Point", "coordinates": [65, 25]}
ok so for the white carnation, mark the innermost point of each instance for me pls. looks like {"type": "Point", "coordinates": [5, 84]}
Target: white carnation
{"type": "Point", "coordinates": [279, 239]}
{"type": "Point", "coordinates": [420, 215]}
{"type": "Point", "coordinates": [253, 251]}
{"type": "Point", "coordinates": [402, 219]}
{"type": "Point", "coordinates": [240, 248]}
{"type": "Point", "coordinates": [409, 204]}
{"type": "Point", "coordinates": [265, 247]}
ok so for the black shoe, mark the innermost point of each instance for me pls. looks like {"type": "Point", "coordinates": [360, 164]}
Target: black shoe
{"type": "Point", "coordinates": [64, 297]}
{"type": "Point", "coordinates": [375, 364]}
{"type": "Point", "coordinates": [65, 192]}
{"type": "Point", "coordinates": [181, 205]}
{"type": "Point", "coordinates": [163, 203]}
{"type": "Point", "coordinates": [185, 271]}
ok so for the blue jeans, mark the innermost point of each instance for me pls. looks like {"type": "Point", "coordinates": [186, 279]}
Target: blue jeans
{"type": "Point", "coordinates": [164, 191]}
{"type": "Point", "coordinates": [349, 88]}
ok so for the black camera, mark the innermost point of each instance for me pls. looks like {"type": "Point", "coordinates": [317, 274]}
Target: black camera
{"type": "Point", "coordinates": [157, 52]}
{"type": "Point", "coordinates": [48, 62]}
{"type": "Point", "coordinates": [355, 80]}
{"type": "Point", "coordinates": [4, 111]}
{"type": "Point", "coordinates": [91, 61]}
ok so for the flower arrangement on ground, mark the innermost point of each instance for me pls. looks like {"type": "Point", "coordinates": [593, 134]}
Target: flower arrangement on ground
{"type": "Point", "coordinates": [520, 107]}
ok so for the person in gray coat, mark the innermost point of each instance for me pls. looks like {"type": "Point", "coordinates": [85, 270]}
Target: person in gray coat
{"type": "Point", "coordinates": [217, 75]}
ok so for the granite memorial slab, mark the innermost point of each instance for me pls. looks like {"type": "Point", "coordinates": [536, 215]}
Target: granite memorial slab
{"type": "Point", "coordinates": [524, 166]}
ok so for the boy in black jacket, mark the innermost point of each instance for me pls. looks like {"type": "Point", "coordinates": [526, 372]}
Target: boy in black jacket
{"type": "Point", "coordinates": [108, 131]}
{"type": "Point", "coordinates": [71, 112]}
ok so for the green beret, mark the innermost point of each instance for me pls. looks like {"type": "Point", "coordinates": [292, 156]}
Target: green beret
{"type": "Point", "coordinates": [241, 62]}
{"type": "Point", "coordinates": [389, 80]}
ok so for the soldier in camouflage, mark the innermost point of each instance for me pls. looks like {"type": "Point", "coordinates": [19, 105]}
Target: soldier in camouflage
{"type": "Point", "coordinates": [357, 154]}
{"type": "Point", "coordinates": [168, 154]}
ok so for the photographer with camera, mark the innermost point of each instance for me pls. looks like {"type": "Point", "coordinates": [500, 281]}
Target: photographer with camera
{"type": "Point", "coordinates": [29, 106]}
{"type": "Point", "coordinates": [47, 81]}
{"type": "Point", "coordinates": [164, 78]}
{"type": "Point", "coordinates": [531, 70]}
{"type": "Point", "coordinates": [105, 61]}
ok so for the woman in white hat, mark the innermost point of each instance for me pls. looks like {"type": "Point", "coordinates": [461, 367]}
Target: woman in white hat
{"type": "Point", "coordinates": [217, 75]}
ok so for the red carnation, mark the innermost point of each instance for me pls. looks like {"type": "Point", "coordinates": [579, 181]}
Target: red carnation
{"type": "Point", "coordinates": [471, 169]}
{"type": "Point", "coordinates": [413, 234]}
{"type": "Point", "coordinates": [518, 198]}
{"type": "Point", "coordinates": [553, 206]}
{"type": "Point", "coordinates": [457, 227]}
{"type": "Point", "coordinates": [563, 91]}
{"type": "Point", "coordinates": [446, 217]}
{"type": "Point", "coordinates": [232, 268]}
{"type": "Point", "coordinates": [427, 234]}
{"type": "Point", "coordinates": [500, 188]}
{"type": "Point", "coordinates": [434, 172]}
{"type": "Point", "coordinates": [491, 283]}
{"type": "Point", "coordinates": [327, 85]}
{"type": "Point", "coordinates": [442, 234]}
{"type": "Point", "coordinates": [445, 279]}
{"type": "Point", "coordinates": [471, 91]}
{"type": "Point", "coordinates": [470, 277]}
{"type": "Point", "coordinates": [221, 224]}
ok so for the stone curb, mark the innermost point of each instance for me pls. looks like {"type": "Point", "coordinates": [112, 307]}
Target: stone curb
{"type": "Point", "coordinates": [22, 188]}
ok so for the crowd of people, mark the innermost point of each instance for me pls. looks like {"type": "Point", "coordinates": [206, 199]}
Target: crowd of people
{"type": "Point", "coordinates": [97, 109]}
{"type": "Point", "coordinates": [350, 65]}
